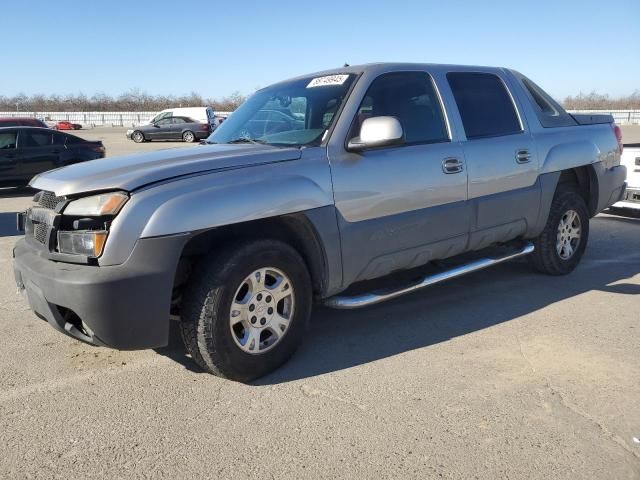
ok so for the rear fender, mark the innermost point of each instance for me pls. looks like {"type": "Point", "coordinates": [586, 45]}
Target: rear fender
{"type": "Point", "coordinates": [571, 155]}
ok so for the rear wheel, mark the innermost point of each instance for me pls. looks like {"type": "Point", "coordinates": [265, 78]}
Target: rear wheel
{"type": "Point", "coordinates": [560, 246]}
{"type": "Point", "coordinates": [189, 137]}
{"type": "Point", "coordinates": [246, 310]}
{"type": "Point", "coordinates": [137, 136]}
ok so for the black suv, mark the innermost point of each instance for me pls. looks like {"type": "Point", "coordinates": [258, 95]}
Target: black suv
{"type": "Point", "coordinates": [28, 151]}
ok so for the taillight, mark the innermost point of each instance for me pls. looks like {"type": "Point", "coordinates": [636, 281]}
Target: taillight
{"type": "Point", "coordinates": [204, 127]}
{"type": "Point", "coordinates": [618, 132]}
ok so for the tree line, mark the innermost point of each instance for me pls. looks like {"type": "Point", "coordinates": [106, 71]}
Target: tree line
{"type": "Point", "coordinates": [597, 101]}
{"type": "Point", "coordinates": [137, 101]}
{"type": "Point", "coordinates": [132, 101]}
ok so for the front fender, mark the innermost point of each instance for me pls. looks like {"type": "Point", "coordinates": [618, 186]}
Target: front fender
{"type": "Point", "coordinates": [206, 201]}
{"type": "Point", "coordinates": [235, 203]}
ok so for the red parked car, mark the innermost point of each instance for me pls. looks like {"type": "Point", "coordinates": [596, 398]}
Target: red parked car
{"type": "Point", "coordinates": [64, 125]}
{"type": "Point", "coordinates": [22, 122]}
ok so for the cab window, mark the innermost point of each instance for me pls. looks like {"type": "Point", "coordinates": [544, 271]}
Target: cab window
{"type": "Point", "coordinates": [485, 106]}
{"type": "Point", "coordinates": [411, 98]}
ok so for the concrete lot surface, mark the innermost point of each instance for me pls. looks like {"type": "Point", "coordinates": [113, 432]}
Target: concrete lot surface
{"type": "Point", "coordinates": [501, 374]}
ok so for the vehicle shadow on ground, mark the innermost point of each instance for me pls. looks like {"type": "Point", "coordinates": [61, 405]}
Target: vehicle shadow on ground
{"type": "Point", "coordinates": [341, 339]}
{"type": "Point", "coordinates": [175, 350]}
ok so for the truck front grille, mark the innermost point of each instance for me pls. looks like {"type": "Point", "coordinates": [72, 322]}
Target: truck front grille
{"type": "Point", "coordinates": [41, 232]}
{"type": "Point", "coordinates": [41, 220]}
{"type": "Point", "coordinates": [48, 199]}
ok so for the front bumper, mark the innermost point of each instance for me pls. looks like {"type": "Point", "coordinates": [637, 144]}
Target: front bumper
{"type": "Point", "coordinates": [124, 306]}
{"type": "Point", "coordinates": [129, 133]}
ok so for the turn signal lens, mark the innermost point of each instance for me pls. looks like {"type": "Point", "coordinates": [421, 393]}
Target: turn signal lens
{"type": "Point", "coordinates": [87, 243]}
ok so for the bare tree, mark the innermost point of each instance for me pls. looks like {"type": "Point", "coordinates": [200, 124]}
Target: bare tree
{"type": "Point", "coordinates": [597, 101]}
{"type": "Point", "coordinates": [133, 100]}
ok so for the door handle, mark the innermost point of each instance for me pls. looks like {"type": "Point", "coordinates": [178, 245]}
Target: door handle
{"type": "Point", "coordinates": [452, 165]}
{"type": "Point", "coordinates": [523, 156]}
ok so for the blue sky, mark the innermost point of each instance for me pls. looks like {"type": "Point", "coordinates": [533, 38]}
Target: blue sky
{"type": "Point", "coordinates": [216, 48]}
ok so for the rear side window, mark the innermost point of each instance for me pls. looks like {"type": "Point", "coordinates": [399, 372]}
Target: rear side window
{"type": "Point", "coordinates": [484, 104]}
{"type": "Point", "coordinates": [35, 139]}
{"type": "Point", "coordinates": [411, 98]}
{"type": "Point", "coordinates": [8, 140]}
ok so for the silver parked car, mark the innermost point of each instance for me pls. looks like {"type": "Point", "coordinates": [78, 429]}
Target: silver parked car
{"type": "Point", "coordinates": [366, 170]}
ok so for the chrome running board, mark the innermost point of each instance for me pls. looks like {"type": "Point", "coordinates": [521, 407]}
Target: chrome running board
{"type": "Point", "coordinates": [371, 298]}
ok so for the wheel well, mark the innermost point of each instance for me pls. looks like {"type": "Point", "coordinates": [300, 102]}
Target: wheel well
{"type": "Point", "coordinates": [295, 230]}
{"type": "Point", "coordinates": [586, 180]}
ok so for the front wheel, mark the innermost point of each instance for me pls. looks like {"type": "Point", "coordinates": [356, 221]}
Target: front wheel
{"type": "Point", "coordinates": [137, 136]}
{"type": "Point", "coordinates": [560, 246]}
{"type": "Point", "coordinates": [246, 310]}
{"type": "Point", "coordinates": [188, 137]}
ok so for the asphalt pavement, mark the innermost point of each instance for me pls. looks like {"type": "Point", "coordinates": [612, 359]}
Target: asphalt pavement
{"type": "Point", "coordinates": [504, 373]}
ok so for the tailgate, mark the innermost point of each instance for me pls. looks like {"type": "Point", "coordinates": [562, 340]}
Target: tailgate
{"type": "Point", "coordinates": [589, 119]}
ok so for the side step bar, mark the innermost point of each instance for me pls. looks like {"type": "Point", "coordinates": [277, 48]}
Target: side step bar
{"type": "Point", "coordinates": [371, 298]}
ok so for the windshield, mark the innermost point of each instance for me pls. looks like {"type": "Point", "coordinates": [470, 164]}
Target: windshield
{"type": "Point", "coordinates": [294, 113]}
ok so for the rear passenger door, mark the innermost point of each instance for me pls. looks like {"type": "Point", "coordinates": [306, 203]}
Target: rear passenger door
{"type": "Point", "coordinates": [400, 206]}
{"type": "Point", "coordinates": [37, 152]}
{"type": "Point", "coordinates": [501, 158]}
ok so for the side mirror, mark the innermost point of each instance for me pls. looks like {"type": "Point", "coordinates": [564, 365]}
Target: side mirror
{"type": "Point", "coordinates": [156, 125]}
{"type": "Point", "coordinates": [377, 132]}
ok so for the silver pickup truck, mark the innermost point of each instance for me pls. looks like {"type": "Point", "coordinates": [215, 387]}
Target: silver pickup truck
{"type": "Point", "coordinates": [312, 191]}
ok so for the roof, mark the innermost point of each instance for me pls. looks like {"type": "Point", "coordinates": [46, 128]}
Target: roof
{"type": "Point", "coordinates": [381, 67]}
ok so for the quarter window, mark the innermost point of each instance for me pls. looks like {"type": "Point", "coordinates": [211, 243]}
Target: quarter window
{"type": "Point", "coordinates": [59, 138]}
{"type": "Point", "coordinates": [411, 98]}
{"type": "Point", "coordinates": [484, 104]}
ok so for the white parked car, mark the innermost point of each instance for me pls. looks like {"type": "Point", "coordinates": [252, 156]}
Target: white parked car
{"type": "Point", "coordinates": [631, 159]}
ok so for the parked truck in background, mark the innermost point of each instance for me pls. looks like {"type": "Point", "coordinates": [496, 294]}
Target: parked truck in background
{"type": "Point", "coordinates": [387, 168]}
{"type": "Point", "coordinates": [630, 200]}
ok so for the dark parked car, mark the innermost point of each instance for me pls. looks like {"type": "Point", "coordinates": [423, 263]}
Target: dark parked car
{"type": "Point", "coordinates": [270, 121]}
{"type": "Point", "coordinates": [28, 151]}
{"type": "Point", "coordinates": [22, 122]}
{"type": "Point", "coordinates": [171, 128]}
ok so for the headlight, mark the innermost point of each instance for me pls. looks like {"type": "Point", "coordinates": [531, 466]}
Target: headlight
{"type": "Point", "coordinates": [97, 205]}
{"type": "Point", "coordinates": [89, 243]}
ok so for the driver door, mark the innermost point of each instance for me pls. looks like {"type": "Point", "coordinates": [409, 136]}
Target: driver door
{"type": "Point", "coordinates": [161, 129]}
{"type": "Point", "coordinates": [400, 206]}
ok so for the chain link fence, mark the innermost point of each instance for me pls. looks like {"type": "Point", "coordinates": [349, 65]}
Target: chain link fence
{"type": "Point", "coordinates": [127, 119]}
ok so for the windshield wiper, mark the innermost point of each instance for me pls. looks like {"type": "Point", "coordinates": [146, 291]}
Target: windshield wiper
{"type": "Point", "coordinates": [248, 140]}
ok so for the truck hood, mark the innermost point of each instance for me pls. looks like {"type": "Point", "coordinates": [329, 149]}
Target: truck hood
{"type": "Point", "coordinates": [134, 171]}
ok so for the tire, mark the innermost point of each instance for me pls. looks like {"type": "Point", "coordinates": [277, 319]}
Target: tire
{"type": "Point", "coordinates": [138, 136]}
{"type": "Point", "coordinates": [189, 136]}
{"type": "Point", "coordinates": [217, 288]}
{"type": "Point", "coordinates": [550, 256]}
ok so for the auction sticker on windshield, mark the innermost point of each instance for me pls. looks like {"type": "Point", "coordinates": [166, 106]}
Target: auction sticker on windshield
{"type": "Point", "coordinates": [327, 80]}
